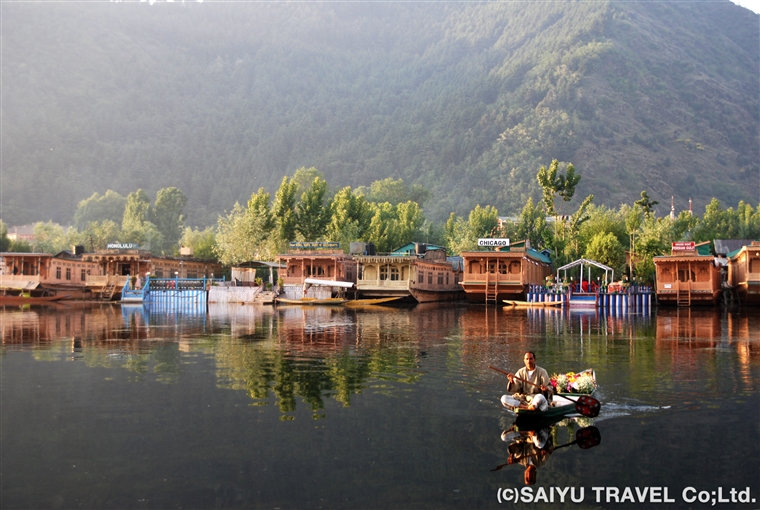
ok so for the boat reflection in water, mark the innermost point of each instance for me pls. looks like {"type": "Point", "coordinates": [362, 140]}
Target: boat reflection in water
{"type": "Point", "coordinates": [531, 443]}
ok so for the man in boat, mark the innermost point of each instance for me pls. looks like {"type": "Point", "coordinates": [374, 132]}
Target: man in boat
{"type": "Point", "coordinates": [534, 394]}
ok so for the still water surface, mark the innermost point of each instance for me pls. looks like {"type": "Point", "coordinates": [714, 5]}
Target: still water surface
{"type": "Point", "coordinates": [291, 407]}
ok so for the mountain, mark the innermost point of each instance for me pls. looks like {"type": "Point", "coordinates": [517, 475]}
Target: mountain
{"type": "Point", "coordinates": [467, 99]}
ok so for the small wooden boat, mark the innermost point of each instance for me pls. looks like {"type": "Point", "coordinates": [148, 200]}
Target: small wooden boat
{"type": "Point", "coordinates": [311, 301]}
{"type": "Point", "coordinates": [531, 304]}
{"type": "Point", "coordinates": [563, 402]}
{"type": "Point", "coordinates": [29, 300]}
{"type": "Point", "coordinates": [358, 303]}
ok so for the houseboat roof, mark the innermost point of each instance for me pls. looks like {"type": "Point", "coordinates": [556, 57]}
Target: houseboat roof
{"type": "Point", "coordinates": [506, 253]}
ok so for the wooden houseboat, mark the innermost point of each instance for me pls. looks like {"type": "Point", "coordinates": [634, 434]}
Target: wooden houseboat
{"type": "Point", "coordinates": [493, 276]}
{"type": "Point", "coordinates": [417, 272]}
{"type": "Point", "coordinates": [324, 261]}
{"type": "Point", "coordinates": [744, 273]}
{"type": "Point", "coordinates": [44, 274]}
{"type": "Point", "coordinates": [688, 276]}
{"type": "Point", "coordinates": [118, 265]}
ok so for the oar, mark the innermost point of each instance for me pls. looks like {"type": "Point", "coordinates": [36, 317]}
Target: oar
{"type": "Point", "coordinates": [585, 405]}
{"type": "Point", "coordinates": [585, 438]}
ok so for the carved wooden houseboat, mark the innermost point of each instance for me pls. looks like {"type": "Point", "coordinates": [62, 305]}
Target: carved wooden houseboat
{"type": "Point", "coordinates": [417, 272]}
{"type": "Point", "coordinates": [493, 276]}
{"type": "Point", "coordinates": [688, 276]}
{"type": "Point", "coordinates": [744, 273]}
{"type": "Point", "coordinates": [323, 261]}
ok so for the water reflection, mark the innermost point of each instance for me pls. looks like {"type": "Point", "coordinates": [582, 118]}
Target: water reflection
{"type": "Point", "coordinates": [530, 444]}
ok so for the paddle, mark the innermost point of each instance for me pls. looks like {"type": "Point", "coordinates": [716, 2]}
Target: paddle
{"type": "Point", "coordinates": [585, 405]}
{"type": "Point", "coordinates": [585, 438]}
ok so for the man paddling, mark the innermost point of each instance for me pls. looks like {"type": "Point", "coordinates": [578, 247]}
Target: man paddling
{"type": "Point", "coordinates": [532, 393]}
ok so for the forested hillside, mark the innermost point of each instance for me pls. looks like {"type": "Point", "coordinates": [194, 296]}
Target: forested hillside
{"type": "Point", "coordinates": [466, 99]}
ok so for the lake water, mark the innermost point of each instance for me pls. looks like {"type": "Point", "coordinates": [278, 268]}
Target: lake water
{"type": "Point", "coordinates": [294, 407]}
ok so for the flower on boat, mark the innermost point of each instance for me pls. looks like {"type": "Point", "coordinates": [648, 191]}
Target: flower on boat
{"type": "Point", "coordinates": [574, 383]}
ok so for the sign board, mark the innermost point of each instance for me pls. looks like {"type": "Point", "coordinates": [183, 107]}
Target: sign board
{"type": "Point", "coordinates": [122, 246]}
{"type": "Point", "coordinates": [493, 243]}
{"type": "Point", "coordinates": [683, 246]}
{"type": "Point", "coordinates": [314, 245]}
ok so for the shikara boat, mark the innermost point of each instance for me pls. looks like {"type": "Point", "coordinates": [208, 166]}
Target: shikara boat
{"type": "Point", "coordinates": [311, 301]}
{"type": "Point", "coordinates": [531, 304]}
{"type": "Point", "coordinates": [30, 300]}
{"type": "Point", "coordinates": [359, 303]}
{"type": "Point", "coordinates": [563, 402]}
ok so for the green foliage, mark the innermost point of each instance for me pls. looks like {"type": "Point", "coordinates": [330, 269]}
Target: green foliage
{"type": "Point", "coordinates": [606, 249]}
{"type": "Point", "coordinates": [4, 241]}
{"type": "Point", "coordinates": [109, 206]}
{"type": "Point", "coordinates": [646, 204]}
{"type": "Point", "coordinates": [313, 212]}
{"type": "Point", "coordinates": [49, 237]}
{"type": "Point", "coordinates": [555, 184]}
{"type": "Point", "coordinates": [284, 210]}
{"type": "Point", "coordinates": [167, 217]}
{"type": "Point", "coordinates": [203, 242]}
{"type": "Point", "coordinates": [350, 217]}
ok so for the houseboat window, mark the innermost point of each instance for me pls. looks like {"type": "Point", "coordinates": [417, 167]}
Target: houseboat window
{"type": "Point", "coordinates": [330, 271]}
{"type": "Point", "coordinates": [665, 275]}
{"type": "Point", "coordinates": [430, 278]}
{"type": "Point", "coordinates": [159, 273]}
{"type": "Point", "coordinates": [191, 275]}
{"type": "Point", "coordinates": [440, 278]}
{"type": "Point", "coordinates": [754, 266]}
{"type": "Point", "coordinates": [84, 275]}
{"type": "Point", "coordinates": [491, 266]}
{"type": "Point", "coordinates": [360, 273]}
{"type": "Point", "coordinates": [404, 275]}
{"type": "Point", "coordinates": [388, 272]}
{"type": "Point", "coordinates": [514, 267]}
{"type": "Point", "coordinates": [383, 272]}
{"type": "Point", "coordinates": [447, 278]}
{"type": "Point", "coordinates": [68, 273]}
{"type": "Point", "coordinates": [58, 273]}
{"type": "Point", "coordinates": [685, 275]}
{"type": "Point", "coordinates": [502, 267]}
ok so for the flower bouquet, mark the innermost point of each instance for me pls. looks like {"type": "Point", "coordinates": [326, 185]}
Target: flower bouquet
{"type": "Point", "coordinates": [582, 382]}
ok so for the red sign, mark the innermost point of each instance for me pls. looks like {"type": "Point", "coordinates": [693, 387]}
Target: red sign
{"type": "Point", "coordinates": [683, 246]}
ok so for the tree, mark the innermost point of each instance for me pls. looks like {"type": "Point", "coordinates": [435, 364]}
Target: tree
{"type": "Point", "coordinates": [606, 249]}
{"type": "Point", "coordinates": [202, 242]}
{"type": "Point", "coordinates": [49, 237]}
{"type": "Point", "coordinates": [246, 234]}
{"type": "Point", "coordinates": [100, 208]}
{"type": "Point", "coordinates": [483, 221]}
{"type": "Point", "coordinates": [312, 213]}
{"type": "Point", "coordinates": [646, 204]}
{"type": "Point", "coordinates": [553, 183]}
{"type": "Point", "coordinates": [350, 217]}
{"type": "Point", "coordinates": [99, 233]}
{"type": "Point", "coordinates": [167, 216]}
{"type": "Point", "coordinates": [4, 241]}
{"type": "Point", "coordinates": [136, 212]}
{"type": "Point", "coordinates": [284, 210]}
{"type": "Point", "coordinates": [532, 224]}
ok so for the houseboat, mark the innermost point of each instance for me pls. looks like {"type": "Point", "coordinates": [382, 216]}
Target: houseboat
{"type": "Point", "coordinates": [45, 274]}
{"type": "Point", "coordinates": [688, 276]}
{"type": "Point", "coordinates": [417, 272]}
{"type": "Point", "coordinates": [322, 261]}
{"type": "Point", "coordinates": [126, 264]}
{"type": "Point", "coordinates": [493, 276]}
{"type": "Point", "coordinates": [744, 273]}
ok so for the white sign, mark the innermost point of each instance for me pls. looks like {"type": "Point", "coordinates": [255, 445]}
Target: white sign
{"type": "Point", "coordinates": [493, 243]}
{"type": "Point", "coordinates": [122, 246]}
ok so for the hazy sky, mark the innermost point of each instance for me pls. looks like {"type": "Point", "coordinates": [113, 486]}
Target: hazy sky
{"type": "Point", "coordinates": [752, 5]}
